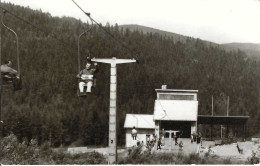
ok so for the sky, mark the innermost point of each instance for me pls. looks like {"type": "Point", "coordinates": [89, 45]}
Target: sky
{"type": "Point", "coordinates": [219, 21]}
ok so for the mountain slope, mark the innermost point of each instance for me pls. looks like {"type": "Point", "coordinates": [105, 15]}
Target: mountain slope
{"type": "Point", "coordinates": [252, 50]}
{"type": "Point", "coordinates": [175, 37]}
{"type": "Point", "coordinates": [144, 29]}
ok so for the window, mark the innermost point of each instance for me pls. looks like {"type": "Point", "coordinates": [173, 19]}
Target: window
{"type": "Point", "coordinates": [175, 97]}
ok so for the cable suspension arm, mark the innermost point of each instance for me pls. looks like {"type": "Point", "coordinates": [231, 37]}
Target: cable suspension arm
{"type": "Point", "coordinates": [17, 43]}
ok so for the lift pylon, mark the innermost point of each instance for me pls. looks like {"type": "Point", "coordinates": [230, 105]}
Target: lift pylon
{"type": "Point", "coordinates": [112, 142]}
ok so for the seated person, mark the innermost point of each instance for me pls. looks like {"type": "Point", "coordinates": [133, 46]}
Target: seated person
{"type": "Point", "coordinates": [8, 73]}
{"type": "Point", "coordinates": [86, 77]}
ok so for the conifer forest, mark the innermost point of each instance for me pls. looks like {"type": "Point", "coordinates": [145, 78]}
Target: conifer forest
{"type": "Point", "coordinates": [48, 108]}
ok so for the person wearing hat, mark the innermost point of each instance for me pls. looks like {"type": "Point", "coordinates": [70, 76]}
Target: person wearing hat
{"type": "Point", "coordinates": [86, 77]}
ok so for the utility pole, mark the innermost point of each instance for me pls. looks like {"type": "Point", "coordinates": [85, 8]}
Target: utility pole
{"type": "Point", "coordinates": [112, 141]}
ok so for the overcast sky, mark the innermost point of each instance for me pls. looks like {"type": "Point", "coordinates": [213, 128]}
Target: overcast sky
{"type": "Point", "coordinates": [219, 21]}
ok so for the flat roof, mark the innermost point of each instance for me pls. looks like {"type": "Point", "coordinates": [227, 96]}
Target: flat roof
{"type": "Point", "coordinates": [209, 119]}
{"type": "Point", "coordinates": [177, 90]}
{"type": "Point", "coordinates": [141, 121]}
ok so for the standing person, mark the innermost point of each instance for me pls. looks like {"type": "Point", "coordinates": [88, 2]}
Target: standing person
{"type": "Point", "coordinates": [86, 77]}
{"type": "Point", "coordinates": [154, 140]}
{"type": "Point", "coordinates": [198, 137]}
{"type": "Point", "coordinates": [191, 138]}
{"type": "Point", "coordinates": [180, 145]}
{"type": "Point", "coordinates": [162, 137]}
{"type": "Point", "coordinates": [134, 133]}
{"type": "Point", "coordinates": [176, 139]}
{"type": "Point", "coordinates": [194, 137]}
{"type": "Point", "coordinates": [142, 143]}
{"type": "Point", "coordinates": [148, 139]}
{"type": "Point", "coordinates": [159, 143]}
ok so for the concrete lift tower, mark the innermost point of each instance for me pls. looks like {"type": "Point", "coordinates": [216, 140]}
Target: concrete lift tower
{"type": "Point", "coordinates": [112, 142]}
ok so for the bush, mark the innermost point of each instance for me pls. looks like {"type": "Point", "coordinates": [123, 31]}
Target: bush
{"type": "Point", "coordinates": [23, 153]}
{"type": "Point", "coordinates": [253, 159]}
{"type": "Point", "coordinates": [193, 158]}
{"type": "Point", "coordinates": [14, 152]}
{"type": "Point", "coordinates": [135, 156]}
{"type": "Point", "coordinates": [227, 161]}
{"type": "Point", "coordinates": [77, 143]}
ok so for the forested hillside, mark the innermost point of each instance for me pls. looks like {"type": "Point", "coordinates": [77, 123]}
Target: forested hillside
{"type": "Point", "coordinates": [251, 49]}
{"type": "Point", "coordinates": [174, 36]}
{"type": "Point", "coordinates": [48, 109]}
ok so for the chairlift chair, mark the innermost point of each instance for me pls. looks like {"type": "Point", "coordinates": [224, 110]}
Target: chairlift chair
{"type": "Point", "coordinates": [84, 77]}
{"type": "Point", "coordinates": [10, 80]}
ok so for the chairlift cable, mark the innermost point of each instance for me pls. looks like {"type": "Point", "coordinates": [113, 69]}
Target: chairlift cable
{"type": "Point", "coordinates": [52, 34]}
{"type": "Point", "coordinates": [55, 36]}
{"type": "Point", "coordinates": [111, 35]}
{"type": "Point", "coordinates": [121, 43]}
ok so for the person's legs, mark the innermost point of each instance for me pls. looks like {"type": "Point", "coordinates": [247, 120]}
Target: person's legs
{"type": "Point", "coordinates": [81, 87]}
{"type": "Point", "coordinates": [89, 86]}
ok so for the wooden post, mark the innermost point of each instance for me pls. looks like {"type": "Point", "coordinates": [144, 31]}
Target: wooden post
{"type": "Point", "coordinates": [227, 105]}
{"type": "Point", "coordinates": [170, 140]}
{"type": "Point", "coordinates": [212, 105]}
{"type": "Point", "coordinates": [244, 133]}
{"type": "Point", "coordinates": [112, 141]}
{"type": "Point", "coordinates": [227, 129]}
{"type": "Point", "coordinates": [211, 130]}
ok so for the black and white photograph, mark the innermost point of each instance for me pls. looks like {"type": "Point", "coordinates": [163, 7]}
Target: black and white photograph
{"type": "Point", "coordinates": [130, 82]}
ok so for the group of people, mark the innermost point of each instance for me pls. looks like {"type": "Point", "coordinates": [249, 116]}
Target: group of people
{"type": "Point", "coordinates": [161, 141]}
{"type": "Point", "coordinates": [196, 137]}
{"type": "Point", "coordinates": [150, 143]}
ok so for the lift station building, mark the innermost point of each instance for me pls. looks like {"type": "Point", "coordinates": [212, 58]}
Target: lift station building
{"type": "Point", "coordinates": [174, 109]}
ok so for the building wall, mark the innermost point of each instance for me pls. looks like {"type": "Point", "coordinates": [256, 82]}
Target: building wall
{"type": "Point", "coordinates": [141, 136]}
